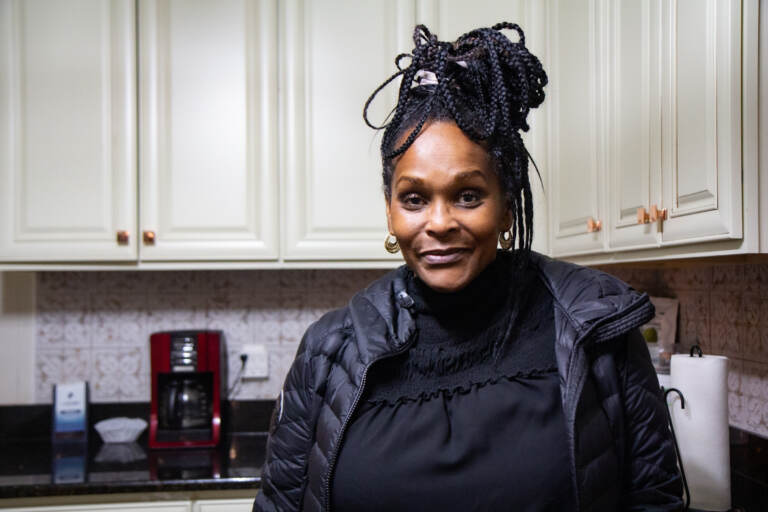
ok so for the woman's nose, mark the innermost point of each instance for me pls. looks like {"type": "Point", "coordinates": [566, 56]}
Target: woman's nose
{"type": "Point", "coordinates": [441, 220]}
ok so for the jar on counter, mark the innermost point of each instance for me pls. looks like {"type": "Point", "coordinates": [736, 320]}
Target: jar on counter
{"type": "Point", "coordinates": [659, 356]}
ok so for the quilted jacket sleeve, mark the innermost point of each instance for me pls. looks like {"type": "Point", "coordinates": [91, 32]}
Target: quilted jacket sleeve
{"type": "Point", "coordinates": [284, 473]}
{"type": "Point", "coordinates": [652, 480]}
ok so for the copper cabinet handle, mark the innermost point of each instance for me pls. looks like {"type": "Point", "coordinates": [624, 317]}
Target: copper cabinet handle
{"type": "Point", "coordinates": [122, 237]}
{"type": "Point", "coordinates": [149, 237]}
{"type": "Point", "coordinates": [642, 216]}
{"type": "Point", "coordinates": [657, 214]}
{"type": "Point", "coordinates": [594, 225]}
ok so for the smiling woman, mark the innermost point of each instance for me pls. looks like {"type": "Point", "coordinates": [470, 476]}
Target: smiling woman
{"type": "Point", "coordinates": [471, 378]}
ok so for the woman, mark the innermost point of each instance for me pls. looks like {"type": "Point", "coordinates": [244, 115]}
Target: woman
{"type": "Point", "coordinates": [471, 378]}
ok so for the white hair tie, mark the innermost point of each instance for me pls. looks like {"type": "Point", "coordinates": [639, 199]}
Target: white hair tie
{"type": "Point", "coordinates": [427, 77]}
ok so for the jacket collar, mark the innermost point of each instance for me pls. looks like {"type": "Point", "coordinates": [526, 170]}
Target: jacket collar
{"type": "Point", "coordinates": [598, 306]}
{"type": "Point", "coordinates": [381, 316]}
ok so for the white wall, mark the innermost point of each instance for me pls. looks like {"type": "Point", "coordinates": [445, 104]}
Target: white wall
{"type": "Point", "coordinates": [17, 337]}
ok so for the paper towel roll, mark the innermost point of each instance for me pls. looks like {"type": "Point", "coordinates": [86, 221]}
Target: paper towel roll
{"type": "Point", "coordinates": [702, 428]}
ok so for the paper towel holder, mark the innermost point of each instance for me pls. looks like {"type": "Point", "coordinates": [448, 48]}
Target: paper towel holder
{"type": "Point", "coordinates": [696, 348]}
{"type": "Point", "coordinates": [666, 392]}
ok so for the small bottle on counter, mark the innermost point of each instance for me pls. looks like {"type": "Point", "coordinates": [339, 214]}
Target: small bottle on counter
{"type": "Point", "coordinates": [659, 356]}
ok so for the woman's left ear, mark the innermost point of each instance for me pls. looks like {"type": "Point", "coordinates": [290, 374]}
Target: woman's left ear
{"type": "Point", "coordinates": [506, 223]}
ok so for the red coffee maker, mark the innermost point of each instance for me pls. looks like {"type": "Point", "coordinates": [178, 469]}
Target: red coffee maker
{"type": "Point", "coordinates": [189, 377]}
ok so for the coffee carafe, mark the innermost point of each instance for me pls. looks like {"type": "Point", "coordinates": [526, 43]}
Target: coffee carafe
{"type": "Point", "coordinates": [184, 404]}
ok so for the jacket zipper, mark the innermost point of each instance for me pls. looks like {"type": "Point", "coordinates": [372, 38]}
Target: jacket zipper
{"type": "Point", "coordinates": [329, 472]}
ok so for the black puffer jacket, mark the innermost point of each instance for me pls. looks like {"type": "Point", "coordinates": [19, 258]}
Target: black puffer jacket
{"type": "Point", "coordinates": [620, 447]}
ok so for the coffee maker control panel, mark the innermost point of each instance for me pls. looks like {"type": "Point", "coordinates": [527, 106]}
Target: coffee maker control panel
{"type": "Point", "coordinates": [184, 354]}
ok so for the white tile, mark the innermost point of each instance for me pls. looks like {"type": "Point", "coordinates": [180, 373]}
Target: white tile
{"type": "Point", "coordinates": [57, 366]}
{"type": "Point", "coordinates": [120, 375]}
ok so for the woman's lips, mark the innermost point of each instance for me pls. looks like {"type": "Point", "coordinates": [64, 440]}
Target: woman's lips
{"type": "Point", "coordinates": [443, 257]}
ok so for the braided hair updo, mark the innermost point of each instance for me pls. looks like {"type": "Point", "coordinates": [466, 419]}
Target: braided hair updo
{"type": "Point", "coordinates": [486, 84]}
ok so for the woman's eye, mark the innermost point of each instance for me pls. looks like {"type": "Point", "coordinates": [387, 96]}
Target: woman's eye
{"type": "Point", "coordinates": [412, 200]}
{"type": "Point", "coordinates": [469, 197]}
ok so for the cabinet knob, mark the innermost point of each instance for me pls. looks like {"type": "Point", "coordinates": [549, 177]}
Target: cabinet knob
{"type": "Point", "coordinates": [594, 225]}
{"type": "Point", "coordinates": [122, 237]}
{"type": "Point", "coordinates": [149, 237]}
{"type": "Point", "coordinates": [642, 216]}
{"type": "Point", "coordinates": [657, 214]}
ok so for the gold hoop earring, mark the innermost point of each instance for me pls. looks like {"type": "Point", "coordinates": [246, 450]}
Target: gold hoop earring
{"type": "Point", "coordinates": [505, 240]}
{"type": "Point", "coordinates": [391, 244]}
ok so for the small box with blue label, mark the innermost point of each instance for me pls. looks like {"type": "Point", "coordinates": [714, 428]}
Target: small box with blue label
{"type": "Point", "coordinates": [70, 412]}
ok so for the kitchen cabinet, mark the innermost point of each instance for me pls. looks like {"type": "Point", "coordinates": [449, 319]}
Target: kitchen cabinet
{"type": "Point", "coordinates": [633, 122]}
{"type": "Point", "coordinates": [69, 183]}
{"type": "Point", "coordinates": [175, 506]}
{"type": "Point", "coordinates": [674, 138]}
{"type": "Point", "coordinates": [575, 108]}
{"type": "Point", "coordinates": [701, 133]}
{"type": "Point", "coordinates": [207, 125]}
{"type": "Point", "coordinates": [238, 505]}
{"type": "Point", "coordinates": [657, 160]}
{"type": "Point", "coordinates": [204, 505]}
{"type": "Point", "coordinates": [184, 155]}
{"type": "Point", "coordinates": [67, 130]}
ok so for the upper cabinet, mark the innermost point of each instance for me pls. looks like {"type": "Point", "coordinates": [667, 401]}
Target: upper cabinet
{"type": "Point", "coordinates": [67, 131]}
{"type": "Point", "coordinates": [207, 178]}
{"type": "Point", "coordinates": [657, 160]}
{"type": "Point", "coordinates": [202, 133]}
{"type": "Point", "coordinates": [632, 69]}
{"type": "Point", "coordinates": [701, 129]}
{"type": "Point", "coordinates": [208, 130]}
{"type": "Point", "coordinates": [575, 106]}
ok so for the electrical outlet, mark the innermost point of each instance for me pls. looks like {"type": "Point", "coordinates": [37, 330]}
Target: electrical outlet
{"type": "Point", "coordinates": [257, 365]}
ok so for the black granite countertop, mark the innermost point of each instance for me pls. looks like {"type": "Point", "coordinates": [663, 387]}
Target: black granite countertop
{"type": "Point", "coordinates": [31, 466]}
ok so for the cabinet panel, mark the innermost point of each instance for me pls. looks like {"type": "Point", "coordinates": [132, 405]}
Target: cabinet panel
{"type": "Point", "coordinates": [67, 130]}
{"type": "Point", "coordinates": [574, 124]}
{"type": "Point", "coordinates": [702, 133]}
{"type": "Point", "coordinates": [634, 122]}
{"type": "Point", "coordinates": [451, 18]}
{"type": "Point", "coordinates": [333, 201]}
{"type": "Point", "coordinates": [171, 506]}
{"type": "Point", "coordinates": [239, 505]}
{"type": "Point", "coordinates": [208, 129]}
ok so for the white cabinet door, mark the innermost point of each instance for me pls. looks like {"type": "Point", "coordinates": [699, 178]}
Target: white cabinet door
{"type": "Point", "coordinates": [334, 54]}
{"type": "Point", "coordinates": [67, 130]}
{"type": "Point", "coordinates": [451, 18]}
{"type": "Point", "coordinates": [634, 122]}
{"type": "Point", "coordinates": [208, 94]}
{"type": "Point", "coordinates": [576, 108]}
{"type": "Point", "coordinates": [702, 129]}
{"type": "Point", "coordinates": [238, 505]}
{"type": "Point", "coordinates": [170, 506]}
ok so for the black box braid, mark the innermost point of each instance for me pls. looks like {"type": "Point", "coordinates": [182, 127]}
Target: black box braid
{"type": "Point", "coordinates": [486, 84]}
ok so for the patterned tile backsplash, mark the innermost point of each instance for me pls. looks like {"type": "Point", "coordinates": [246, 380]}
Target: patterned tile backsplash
{"type": "Point", "coordinates": [95, 326]}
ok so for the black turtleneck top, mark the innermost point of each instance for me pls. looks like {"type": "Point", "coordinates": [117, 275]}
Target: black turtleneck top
{"type": "Point", "coordinates": [462, 421]}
